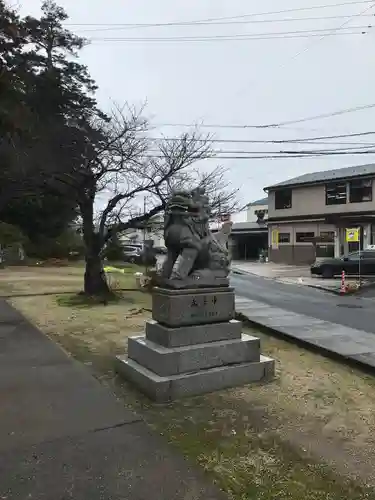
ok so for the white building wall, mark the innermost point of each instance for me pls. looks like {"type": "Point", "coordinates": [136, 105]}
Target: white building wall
{"type": "Point", "coordinates": [251, 215]}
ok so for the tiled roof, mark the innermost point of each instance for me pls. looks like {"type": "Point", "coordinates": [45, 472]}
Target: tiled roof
{"type": "Point", "coordinates": [262, 201]}
{"type": "Point", "coordinates": [328, 175]}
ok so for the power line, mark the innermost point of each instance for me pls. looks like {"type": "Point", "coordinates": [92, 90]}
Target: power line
{"type": "Point", "coordinates": [117, 27]}
{"type": "Point", "coordinates": [95, 40]}
{"type": "Point", "coordinates": [338, 136]}
{"type": "Point", "coordinates": [244, 36]}
{"type": "Point", "coordinates": [226, 18]}
{"type": "Point", "coordinates": [320, 39]}
{"type": "Point", "coordinates": [354, 149]}
{"type": "Point", "coordinates": [280, 124]}
{"type": "Point", "coordinates": [330, 150]}
{"type": "Point", "coordinates": [348, 150]}
{"type": "Point", "coordinates": [284, 155]}
{"type": "Point", "coordinates": [319, 117]}
{"type": "Point", "coordinates": [253, 141]}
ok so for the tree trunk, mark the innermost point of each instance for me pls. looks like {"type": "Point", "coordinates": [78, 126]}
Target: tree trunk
{"type": "Point", "coordinates": [95, 282]}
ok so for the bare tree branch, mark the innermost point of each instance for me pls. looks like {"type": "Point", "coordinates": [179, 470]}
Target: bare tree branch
{"type": "Point", "coordinates": [153, 175]}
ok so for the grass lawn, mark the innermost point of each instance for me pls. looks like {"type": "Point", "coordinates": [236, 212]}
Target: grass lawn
{"type": "Point", "coordinates": [308, 435]}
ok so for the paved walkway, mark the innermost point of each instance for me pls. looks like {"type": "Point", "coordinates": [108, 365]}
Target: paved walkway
{"type": "Point", "coordinates": [349, 343]}
{"type": "Point", "coordinates": [64, 435]}
{"type": "Point", "coordinates": [270, 269]}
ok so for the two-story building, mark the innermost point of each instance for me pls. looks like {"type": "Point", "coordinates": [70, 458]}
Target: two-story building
{"type": "Point", "coordinates": [308, 215]}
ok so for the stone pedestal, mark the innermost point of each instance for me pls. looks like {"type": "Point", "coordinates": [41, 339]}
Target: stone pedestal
{"type": "Point", "coordinates": [193, 345]}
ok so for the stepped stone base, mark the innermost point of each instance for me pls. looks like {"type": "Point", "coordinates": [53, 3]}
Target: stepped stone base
{"type": "Point", "coordinates": [193, 346]}
{"type": "Point", "coordinates": [165, 389]}
{"type": "Point", "coordinates": [176, 360]}
{"type": "Point", "coordinates": [191, 335]}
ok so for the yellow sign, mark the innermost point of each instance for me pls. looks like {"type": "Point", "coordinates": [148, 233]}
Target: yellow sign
{"type": "Point", "coordinates": [275, 237]}
{"type": "Point", "coordinates": [352, 234]}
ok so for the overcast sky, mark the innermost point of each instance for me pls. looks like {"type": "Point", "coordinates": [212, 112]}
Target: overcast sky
{"type": "Point", "coordinates": [225, 82]}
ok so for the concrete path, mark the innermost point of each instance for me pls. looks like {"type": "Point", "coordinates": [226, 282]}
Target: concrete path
{"type": "Point", "coordinates": [270, 269]}
{"type": "Point", "coordinates": [337, 339]}
{"type": "Point", "coordinates": [64, 435]}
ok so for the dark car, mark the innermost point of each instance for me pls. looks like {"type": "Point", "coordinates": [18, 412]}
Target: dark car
{"type": "Point", "coordinates": [353, 264]}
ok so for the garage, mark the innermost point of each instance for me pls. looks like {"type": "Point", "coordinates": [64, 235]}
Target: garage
{"type": "Point", "coordinates": [248, 240]}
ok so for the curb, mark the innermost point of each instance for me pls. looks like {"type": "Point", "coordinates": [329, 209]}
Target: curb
{"type": "Point", "coordinates": [326, 289]}
{"type": "Point", "coordinates": [346, 360]}
{"type": "Point", "coordinates": [336, 291]}
{"type": "Point", "coordinates": [317, 287]}
{"type": "Point", "coordinates": [242, 273]}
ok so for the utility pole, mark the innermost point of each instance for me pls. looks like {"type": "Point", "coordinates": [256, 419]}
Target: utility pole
{"type": "Point", "coordinates": [144, 222]}
{"type": "Point", "coordinates": [144, 252]}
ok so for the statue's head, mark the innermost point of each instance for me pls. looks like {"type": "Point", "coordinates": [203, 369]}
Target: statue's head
{"type": "Point", "coordinates": [180, 201]}
{"type": "Point", "coordinates": [178, 208]}
{"type": "Point", "coordinates": [198, 192]}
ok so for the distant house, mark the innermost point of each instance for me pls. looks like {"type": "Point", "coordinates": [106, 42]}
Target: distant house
{"type": "Point", "coordinates": [152, 230]}
{"type": "Point", "coordinates": [257, 210]}
{"type": "Point", "coordinates": [308, 215]}
{"type": "Point", "coordinates": [249, 231]}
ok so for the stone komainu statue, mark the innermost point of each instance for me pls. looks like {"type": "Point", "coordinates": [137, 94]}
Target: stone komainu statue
{"type": "Point", "coordinates": [195, 257]}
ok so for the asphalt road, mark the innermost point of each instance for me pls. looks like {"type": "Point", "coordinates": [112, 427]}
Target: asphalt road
{"type": "Point", "coordinates": [353, 311]}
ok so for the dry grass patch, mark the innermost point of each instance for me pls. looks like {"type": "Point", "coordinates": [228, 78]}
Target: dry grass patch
{"type": "Point", "coordinates": [93, 334]}
{"type": "Point", "coordinates": [307, 435]}
{"type": "Point", "coordinates": [89, 329]}
{"type": "Point", "coordinates": [42, 280]}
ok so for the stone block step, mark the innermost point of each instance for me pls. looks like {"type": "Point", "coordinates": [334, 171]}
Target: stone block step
{"type": "Point", "coordinates": [166, 361]}
{"type": "Point", "coordinates": [165, 389]}
{"type": "Point", "coordinates": [190, 335]}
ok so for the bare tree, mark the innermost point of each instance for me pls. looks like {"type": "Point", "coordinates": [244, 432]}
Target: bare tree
{"type": "Point", "coordinates": [120, 165]}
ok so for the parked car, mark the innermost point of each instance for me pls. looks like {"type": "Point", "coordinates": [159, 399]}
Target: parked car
{"type": "Point", "coordinates": [354, 263]}
{"type": "Point", "coordinates": [137, 254]}
{"type": "Point", "coordinates": [132, 254]}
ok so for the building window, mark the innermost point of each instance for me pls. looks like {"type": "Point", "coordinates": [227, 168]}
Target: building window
{"type": "Point", "coordinates": [327, 236]}
{"type": "Point", "coordinates": [305, 237]}
{"type": "Point", "coordinates": [336, 193]}
{"type": "Point", "coordinates": [360, 190]}
{"type": "Point", "coordinates": [284, 237]}
{"type": "Point", "coordinates": [283, 199]}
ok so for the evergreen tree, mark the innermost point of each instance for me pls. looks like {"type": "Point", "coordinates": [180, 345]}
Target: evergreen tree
{"type": "Point", "coordinates": [45, 105]}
